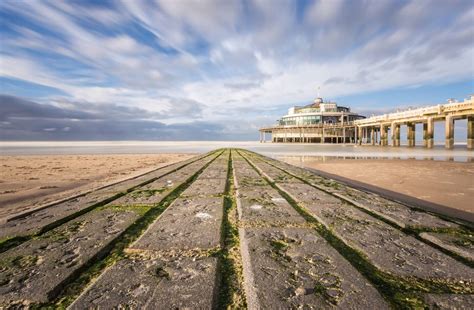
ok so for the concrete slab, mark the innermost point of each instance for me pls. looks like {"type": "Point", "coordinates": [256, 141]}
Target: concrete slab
{"type": "Point", "coordinates": [275, 174]}
{"type": "Point", "coordinates": [217, 169]}
{"type": "Point", "coordinates": [263, 205]}
{"type": "Point", "coordinates": [400, 214]}
{"type": "Point", "coordinates": [325, 183]}
{"type": "Point", "coordinates": [33, 222]}
{"type": "Point", "coordinates": [294, 268]}
{"type": "Point", "coordinates": [188, 224]}
{"type": "Point", "coordinates": [244, 174]}
{"type": "Point", "coordinates": [461, 244]}
{"type": "Point", "coordinates": [205, 188]}
{"type": "Point", "coordinates": [388, 248]}
{"type": "Point", "coordinates": [395, 212]}
{"type": "Point", "coordinates": [179, 283]}
{"type": "Point", "coordinates": [154, 192]}
{"type": "Point", "coordinates": [308, 194]}
{"type": "Point", "coordinates": [449, 301]}
{"type": "Point", "coordinates": [31, 271]}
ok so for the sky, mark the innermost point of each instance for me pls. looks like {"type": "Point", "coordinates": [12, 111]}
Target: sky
{"type": "Point", "coordinates": [219, 70]}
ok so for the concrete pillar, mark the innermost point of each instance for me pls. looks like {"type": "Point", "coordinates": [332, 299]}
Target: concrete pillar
{"type": "Point", "coordinates": [377, 135]}
{"type": "Point", "coordinates": [449, 130]}
{"type": "Point", "coordinates": [383, 135]}
{"type": "Point", "coordinates": [470, 132]}
{"type": "Point", "coordinates": [359, 135]}
{"type": "Point", "coordinates": [411, 134]}
{"type": "Point", "coordinates": [395, 134]}
{"type": "Point", "coordinates": [428, 133]}
{"type": "Point", "coordinates": [322, 134]}
{"type": "Point", "coordinates": [372, 135]}
{"type": "Point", "coordinates": [366, 135]}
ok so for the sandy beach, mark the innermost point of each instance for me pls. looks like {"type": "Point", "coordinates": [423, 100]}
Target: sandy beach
{"type": "Point", "coordinates": [31, 181]}
{"type": "Point", "coordinates": [449, 184]}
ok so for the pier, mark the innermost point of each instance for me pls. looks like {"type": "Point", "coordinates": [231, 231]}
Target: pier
{"type": "Point", "coordinates": [376, 130]}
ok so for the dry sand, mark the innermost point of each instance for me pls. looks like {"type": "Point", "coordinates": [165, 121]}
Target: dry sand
{"type": "Point", "coordinates": [31, 181]}
{"type": "Point", "coordinates": [449, 184]}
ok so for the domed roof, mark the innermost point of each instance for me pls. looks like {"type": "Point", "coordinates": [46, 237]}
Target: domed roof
{"type": "Point", "coordinates": [318, 100]}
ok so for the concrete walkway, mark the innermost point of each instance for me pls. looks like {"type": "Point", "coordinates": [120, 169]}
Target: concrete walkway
{"type": "Point", "coordinates": [234, 229]}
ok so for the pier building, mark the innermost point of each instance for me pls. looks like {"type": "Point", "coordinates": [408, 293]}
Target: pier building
{"type": "Point", "coordinates": [323, 122]}
{"type": "Point", "coordinates": [318, 122]}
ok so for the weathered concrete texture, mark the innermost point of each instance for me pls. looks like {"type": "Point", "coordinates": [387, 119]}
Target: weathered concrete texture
{"type": "Point", "coordinates": [217, 169]}
{"type": "Point", "coordinates": [388, 248]}
{"type": "Point", "coordinates": [307, 194]}
{"type": "Point", "coordinates": [263, 205]}
{"type": "Point", "coordinates": [274, 174]}
{"type": "Point", "coordinates": [325, 183]}
{"type": "Point", "coordinates": [244, 174]}
{"type": "Point", "coordinates": [155, 191]}
{"type": "Point", "coordinates": [395, 212]}
{"type": "Point", "coordinates": [36, 268]}
{"type": "Point", "coordinates": [295, 268]}
{"type": "Point", "coordinates": [179, 283]}
{"type": "Point", "coordinates": [33, 222]}
{"type": "Point", "coordinates": [188, 224]}
{"type": "Point", "coordinates": [449, 301]}
{"type": "Point", "coordinates": [402, 215]}
{"type": "Point", "coordinates": [461, 244]}
{"type": "Point", "coordinates": [205, 187]}
{"type": "Point", "coordinates": [283, 165]}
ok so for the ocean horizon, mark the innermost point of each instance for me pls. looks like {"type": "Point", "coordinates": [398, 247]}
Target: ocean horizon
{"type": "Point", "coordinates": [275, 150]}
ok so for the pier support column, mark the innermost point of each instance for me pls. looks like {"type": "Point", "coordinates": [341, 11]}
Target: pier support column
{"type": "Point", "coordinates": [395, 134]}
{"type": "Point", "coordinates": [449, 130]}
{"type": "Point", "coordinates": [470, 132]}
{"type": "Point", "coordinates": [428, 133]}
{"type": "Point", "coordinates": [372, 135]}
{"type": "Point", "coordinates": [411, 134]}
{"type": "Point", "coordinates": [359, 133]}
{"type": "Point", "coordinates": [383, 135]}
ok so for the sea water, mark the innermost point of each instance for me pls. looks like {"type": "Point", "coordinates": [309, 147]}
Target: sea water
{"type": "Point", "coordinates": [275, 150]}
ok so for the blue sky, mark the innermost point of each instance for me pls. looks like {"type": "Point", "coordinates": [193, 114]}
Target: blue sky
{"type": "Point", "coordinates": [215, 70]}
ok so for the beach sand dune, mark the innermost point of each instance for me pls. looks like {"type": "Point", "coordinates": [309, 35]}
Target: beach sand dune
{"type": "Point", "coordinates": [29, 181]}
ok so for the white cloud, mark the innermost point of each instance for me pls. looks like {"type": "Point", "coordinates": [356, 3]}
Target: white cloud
{"type": "Point", "coordinates": [226, 56]}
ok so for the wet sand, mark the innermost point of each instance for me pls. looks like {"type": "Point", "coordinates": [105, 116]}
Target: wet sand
{"type": "Point", "coordinates": [449, 184]}
{"type": "Point", "coordinates": [27, 182]}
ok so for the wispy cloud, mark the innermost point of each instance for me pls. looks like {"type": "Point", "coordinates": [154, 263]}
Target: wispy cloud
{"type": "Point", "coordinates": [222, 62]}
